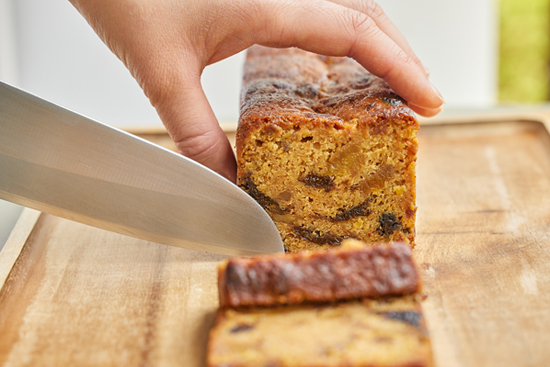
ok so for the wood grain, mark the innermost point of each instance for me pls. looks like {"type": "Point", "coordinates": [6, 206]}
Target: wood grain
{"type": "Point", "coordinates": [14, 245]}
{"type": "Point", "coordinates": [76, 295]}
{"type": "Point", "coordinates": [80, 296]}
{"type": "Point", "coordinates": [483, 242]}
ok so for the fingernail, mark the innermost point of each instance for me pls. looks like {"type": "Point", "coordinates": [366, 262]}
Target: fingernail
{"type": "Point", "coordinates": [427, 112]}
{"type": "Point", "coordinates": [437, 93]}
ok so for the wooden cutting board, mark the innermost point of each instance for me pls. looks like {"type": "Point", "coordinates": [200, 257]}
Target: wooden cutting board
{"type": "Point", "coordinates": [72, 295]}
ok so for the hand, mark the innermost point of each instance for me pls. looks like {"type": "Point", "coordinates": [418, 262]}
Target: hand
{"type": "Point", "coordinates": [166, 44]}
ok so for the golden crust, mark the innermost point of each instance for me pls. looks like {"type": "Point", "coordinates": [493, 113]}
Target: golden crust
{"type": "Point", "coordinates": [344, 273]}
{"type": "Point", "coordinates": [289, 86]}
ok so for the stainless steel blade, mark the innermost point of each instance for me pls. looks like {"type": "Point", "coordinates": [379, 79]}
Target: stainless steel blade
{"type": "Point", "coordinates": [68, 165]}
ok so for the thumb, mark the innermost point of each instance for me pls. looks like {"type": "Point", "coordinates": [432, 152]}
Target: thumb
{"type": "Point", "coordinates": [192, 125]}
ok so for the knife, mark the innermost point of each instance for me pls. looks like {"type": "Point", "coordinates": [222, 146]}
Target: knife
{"type": "Point", "coordinates": [65, 164]}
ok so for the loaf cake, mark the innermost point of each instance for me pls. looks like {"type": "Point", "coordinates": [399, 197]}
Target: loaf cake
{"type": "Point", "coordinates": [327, 149]}
{"type": "Point", "coordinates": [372, 329]}
{"type": "Point", "coordinates": [347, 272]}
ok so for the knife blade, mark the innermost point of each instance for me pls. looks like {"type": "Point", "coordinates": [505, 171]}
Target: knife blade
{"type": "Point", "coordinates": [68, 165]}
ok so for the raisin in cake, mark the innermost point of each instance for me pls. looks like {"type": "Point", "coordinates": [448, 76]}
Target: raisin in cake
{"type": "Point", "coordinates": [327, 149]}
{"type": "Point", "coordinates": [373, 329]}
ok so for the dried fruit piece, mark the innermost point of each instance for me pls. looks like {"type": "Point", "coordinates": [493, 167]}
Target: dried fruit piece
{"type": "Point", "coordinates": [241, 327]}
{"type": "Point", "coordinates": [248, 185]}
{"type": "Point", "coordinates": [361, 210]}
{"type": "Point", "coordinates": [319, 182]}
{"type": "Point", "coordinates": [409, 317]}
{"type": "Point", "coordinates": [388, 224]}
{"type": "Point", "coordinates": [318, 238]}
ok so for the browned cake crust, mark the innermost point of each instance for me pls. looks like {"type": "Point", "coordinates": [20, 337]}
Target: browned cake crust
{"type": "Point", "coordinates": [327, 149]}
{"type": "Point", "coordinates": [338, 274]}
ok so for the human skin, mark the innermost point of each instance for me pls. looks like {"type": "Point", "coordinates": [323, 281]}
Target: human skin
{"type": "Point", "coordinates": [166, 44]}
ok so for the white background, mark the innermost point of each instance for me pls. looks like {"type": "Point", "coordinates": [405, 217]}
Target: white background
{"type": "Point", "coordinates": [47, 48]}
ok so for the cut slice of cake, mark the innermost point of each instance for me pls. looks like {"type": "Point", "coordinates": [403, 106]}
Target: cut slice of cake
{"type": "Point", "coordinates": [327, 149]}
{"type": "Point", "coordinates": [351, 271]}
{"type": "Point", "coordinates": [381, 326]}
{"type": "Point", "coordinates": [387, 332]}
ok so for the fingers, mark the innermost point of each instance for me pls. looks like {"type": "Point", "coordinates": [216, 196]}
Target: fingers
{"type": "Point", "coordinates": [192, 125]}
{"type": "Point", "coordinates": [194, 129]}
{"type": "Point", "coordinates": [424, 111]}
{"type": "Point", "coordinates": [331, 29]}
{"type": "Point", "coordinates": [153, 40]}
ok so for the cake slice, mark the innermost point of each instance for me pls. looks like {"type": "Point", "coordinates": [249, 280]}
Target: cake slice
{"type": "Point", "coordinates": [387, 332]}
{"type": "Point", "coordinates": [381, 325]}
{"type": "Point", "coordinates": [327, 149]}
{"type": "Point", "coordinates": [351, 271]}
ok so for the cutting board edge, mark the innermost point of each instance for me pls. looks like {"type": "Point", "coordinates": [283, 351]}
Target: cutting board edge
{"type": "Point", "coordinates": [541, 117]}
{"type": "Point", "coordinates": [16, 242]}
